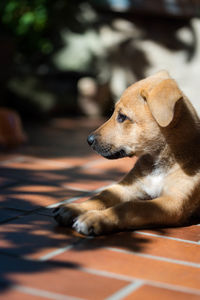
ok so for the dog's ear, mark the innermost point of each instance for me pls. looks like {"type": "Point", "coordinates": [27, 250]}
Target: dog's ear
{"type": "Point", "coordinates": [161, 101]}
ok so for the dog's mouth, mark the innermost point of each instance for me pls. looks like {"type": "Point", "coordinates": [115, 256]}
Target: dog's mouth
{"type": "Point", "coordinates": [115, 155]}
{"type": "Point", "coordinates": [108, 153]}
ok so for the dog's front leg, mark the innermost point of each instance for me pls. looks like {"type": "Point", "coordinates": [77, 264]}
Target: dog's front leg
{"type": "Point", "coordinates": [113, 195]}
{"type": "Point", "coordinates": [132, 214]}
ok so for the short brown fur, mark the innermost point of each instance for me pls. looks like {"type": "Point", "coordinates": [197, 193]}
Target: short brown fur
{"type": "Point", "coordinates": [163, 189]}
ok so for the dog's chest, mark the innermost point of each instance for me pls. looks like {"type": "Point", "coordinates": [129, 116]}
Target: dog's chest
{"type": "Point", "coordinates": [153, 184]}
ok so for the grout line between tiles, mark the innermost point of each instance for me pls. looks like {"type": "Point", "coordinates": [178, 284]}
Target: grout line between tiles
{"type": "Point", "coordinates": [108, 274]}
{"type": "Point", "coordinates": [55, 253]}
{"type": "Point", "coordinates": [173, 287]}
{"type": "Point", "coordinates": [130, 278]}
{"type": "Point", "coordinates": [67, 186]}
{"type": "Point", "coordinates": [155, 257]}
{"type": "Point", "coordinates": [126, 290]}
{"type": "Point", "coordinates": [86, 190]}
{"type": "Point", "coordinates": [42, 293]}
{"type": "Point", "coordinates": [64, 202]}
{"type": "Point", "coordinates": [166, 237]}
{"type": "Point", "coordinates": [145, 281]}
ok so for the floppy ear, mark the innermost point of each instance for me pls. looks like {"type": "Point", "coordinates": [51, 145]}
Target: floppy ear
{"type": "Point", "coordinates": [161, 101]}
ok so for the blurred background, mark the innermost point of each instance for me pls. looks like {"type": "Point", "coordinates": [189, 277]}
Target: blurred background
{"type": "Point", "coordinates": [72, 58]}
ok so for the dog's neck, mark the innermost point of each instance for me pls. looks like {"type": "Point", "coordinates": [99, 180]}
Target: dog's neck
{"type": "Point", "coordinates": [155, 161]}
{"type": "Point", "coordinates": [183, 138]}
{"type": "Point", "coordinates": [177, 144]}
{"type": "Point", "coordinates": [163, 158]}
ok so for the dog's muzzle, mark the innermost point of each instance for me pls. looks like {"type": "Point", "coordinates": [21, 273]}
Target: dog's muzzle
{"type": "Point", "coordinates": [105, 150]}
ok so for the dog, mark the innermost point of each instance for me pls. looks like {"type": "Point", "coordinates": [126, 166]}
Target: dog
{"type": "Point", "coordinates": [154, 121]}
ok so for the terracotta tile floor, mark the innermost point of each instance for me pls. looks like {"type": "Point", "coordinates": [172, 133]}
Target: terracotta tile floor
{"type": "Point", "coordinates": [40, 260]}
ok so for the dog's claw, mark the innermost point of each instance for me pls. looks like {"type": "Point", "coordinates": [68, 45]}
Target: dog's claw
{"type": "Point", "coordinates": [56, 209]}
{"type": "Point", "coordinates": [91, 231]}
{"type": "Point", "coordinates": [66, 214]}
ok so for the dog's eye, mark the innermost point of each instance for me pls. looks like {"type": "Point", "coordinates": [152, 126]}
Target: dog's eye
{"type": "Point", "coordinates": [121, 118]}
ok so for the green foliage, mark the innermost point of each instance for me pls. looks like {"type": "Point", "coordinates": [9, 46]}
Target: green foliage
{"type": "Point", "coordinates": [36, 25]}
{"type": "Point", "coordinates": [24, 15]}
{"type": "Point", "coordinates": [27, 20]}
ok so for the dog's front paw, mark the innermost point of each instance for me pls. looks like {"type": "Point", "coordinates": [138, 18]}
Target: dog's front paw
{"type": "Point", "coordinates": [93, 222]}
{"type": "Point", "coordinates": [65, 214]}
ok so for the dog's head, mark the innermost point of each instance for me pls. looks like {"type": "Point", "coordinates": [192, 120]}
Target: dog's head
{"type": "Point", "coordinates": [135, 126]}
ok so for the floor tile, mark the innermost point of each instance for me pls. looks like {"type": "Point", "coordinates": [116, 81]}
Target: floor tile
{"type": "Point", "coordinates": [132, 265]}
{"type": "Point", "coordinates": [157, 246]}
{"type": "Point", "coordinates": [32, 163]}
{"type": "Point", "coordinates": [112, 170]}
{"type": "Point", "coordinates": [9, 294]}
{"type": "Point", "coordinates": [4, 182]}
{"type": "Point", "coordinates": [7, 214]}
{"type": "Point", "coordinates": [80, 178]}
{"type": "Point", "coordinates": [79, 161]}
{"type": "Point", "coordinates": [59, 138]}
{"type": "Point", "coordinates": [156, 293]}
{"type": "Point", "coordinates": [38, 176]}
{"type": "Point", "coordinates": [123, 165]}
{"type": "Point", "coordinates": [34, 236]}
{"type": "Point", "coordinates": [65, 279]}
{"type": "Point", "coordinates": [30, 196]}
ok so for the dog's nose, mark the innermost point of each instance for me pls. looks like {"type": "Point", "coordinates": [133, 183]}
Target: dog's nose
{"type": "Point", "coordinates": [91, 139]}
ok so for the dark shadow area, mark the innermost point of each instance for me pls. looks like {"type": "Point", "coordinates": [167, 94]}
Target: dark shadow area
{"type": "Point", "coordinates": [26, 235]}
{"type": "Point", "coordinates": [11, 266]}
{"type": "Point", "coordinates": [122, 240]}
{"type": "Point", "coordinates": [185, 147]}
{"type": "Point", "coordinates": [64, 176]}
{"type": "Point", "coordinates": [59, 138]}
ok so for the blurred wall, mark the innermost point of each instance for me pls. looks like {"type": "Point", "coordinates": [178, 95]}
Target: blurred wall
{"type": "Point", "coordinates": [63, 57]}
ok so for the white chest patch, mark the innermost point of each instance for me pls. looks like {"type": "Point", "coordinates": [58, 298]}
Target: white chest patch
{"type": "Point", "coordinates": [153, 184]}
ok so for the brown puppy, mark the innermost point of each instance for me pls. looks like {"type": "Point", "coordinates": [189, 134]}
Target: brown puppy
{"type": "Point", "coordinates": [154, 121]}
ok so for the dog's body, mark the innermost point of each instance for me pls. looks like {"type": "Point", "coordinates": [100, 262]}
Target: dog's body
{"type": "Point", "coordinates": [154, 121]}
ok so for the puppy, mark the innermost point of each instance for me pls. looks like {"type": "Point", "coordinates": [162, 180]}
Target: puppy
{"type": "Point", "coordinates": [154, 121]}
